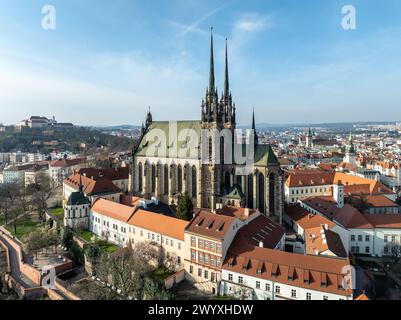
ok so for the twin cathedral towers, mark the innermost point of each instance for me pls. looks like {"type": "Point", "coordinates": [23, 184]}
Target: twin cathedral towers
{"type": "Point", "coordinates": [166, 173]}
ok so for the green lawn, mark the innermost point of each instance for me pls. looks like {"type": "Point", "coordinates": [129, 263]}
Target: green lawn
{"type": "Point", "coordinates": [57, 211]}
{"type": "Point", "coordinates": [86, 235]}
{"type": "Point", "coordinates": [104, 245]}
{"type": "Point", "coordinates": [162, 273]}
{"type": "Point", "coordinates": [10, 216]}
{"type": "Point", "coordinates": [25, 225]}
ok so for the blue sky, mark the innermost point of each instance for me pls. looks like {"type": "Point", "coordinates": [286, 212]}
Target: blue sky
{"type": "Point", "coordinates": [107, 61]}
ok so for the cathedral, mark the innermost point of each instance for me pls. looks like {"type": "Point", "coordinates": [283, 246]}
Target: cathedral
{"type": "Point", "coordinates": [166, 173]}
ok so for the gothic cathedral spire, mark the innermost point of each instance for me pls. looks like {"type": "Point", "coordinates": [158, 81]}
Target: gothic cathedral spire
{"type": "Point", "coordinates": [226, 80]}
{"type": "Point", "coordinates": [211, 75]}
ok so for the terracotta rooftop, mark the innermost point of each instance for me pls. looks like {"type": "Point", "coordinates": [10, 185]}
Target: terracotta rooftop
{"type": "Point", "coordinates": [307, 220]}
{"type": "Point", "coordinates": [61, 163]}
{"type": "Point", "coordinates": [211, 225]}
{"type": "Point", "coordinates": [112, 174]}
{"type": "Point", "coordinates": [319, 240]}
{"type": "Point", "coordinates": [262, 230]}
{"type": "Point", "coordinates": [240, 213]}
{"type": "Point", "coordinates": [90, 186]}
{"type": "Point", "coordinates": [385, 221]}
{"type": "Point", "coordinates": [352, 184]}
{"type": "Point", "coordinates": [379, 201]}
{"type": "Point", "coordinates": [304, 271]}
{"type": "Point", "coordinates": [113, 210]}
{"type": "Point", "coordinates": [160, 224]}
{"type": "Point", "coordinates": [347, 216]}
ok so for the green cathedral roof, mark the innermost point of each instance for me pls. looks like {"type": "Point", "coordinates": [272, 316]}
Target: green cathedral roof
{"type": "Point", "coordinates": [264, 154]}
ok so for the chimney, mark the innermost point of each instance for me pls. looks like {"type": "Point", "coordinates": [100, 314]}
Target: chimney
{"type": "Point", "coordinates": [261, 245]}
{"type": "Point", "coordinates": [326, 226]}
{"type": "Point", "coordinates": [246, 213]}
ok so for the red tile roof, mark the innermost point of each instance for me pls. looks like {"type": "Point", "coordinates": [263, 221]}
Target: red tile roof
{"type": "Point", "coordinates": [211, 225]}
{"type": "Point", "coordinates": [348, 216]}
{"type": "Point", "coordinates": [112, 174]}
{"type": "Point", "coordinates": [309, 272]}
{"type": "Point", "coordinates": [319, 240]}
{"type": "Point", "coordinates": [262, 229]}
{"type": "Point", "coordinates": [307, 220]}
{"type": "Point", "coordinates": [62, 163]}
{"type": "Point", "coordinates": [353, 184]}
{"type": "Point", "coordinates": [113, 210]}
{"type": "Point", "coordinates": [91, 187]}
{"type": "Point", "coordinates": [160, 224]}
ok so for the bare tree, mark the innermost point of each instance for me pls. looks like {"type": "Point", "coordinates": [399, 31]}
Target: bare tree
{"type": "Point", "coordinates": [42, 190]}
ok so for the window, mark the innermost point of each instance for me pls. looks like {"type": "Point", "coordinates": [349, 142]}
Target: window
{"type": "Point", "coordinates": [199, 272]}
{"type": "Point", "coordinates": [193, 255]}
{"type": "Point", "coordinates": [179, 245]}
{"type": "Point", "coordinates": [257, 284]}
{"type": "Point", "coordinates": [213, 261]}
{"type": "Point", "coordinates": [367, 249]}
{"type": "Point", "coordinates": [191, 269]}
{"type": "Point", "coordinates": [267, 287]}
{"type": "Point", "coordinates": [367, 238]}
{"type": "Point", "coordinates": [206, 259]}
{"type": "Point", "coordinates": [218, 247]}
{"type": "Point", "coordinates": [386, 238]}
{"type": "Point", "coordinates": [325, 298]}
{"type": "Point", "coordinates": [206, 274]}
{"type": "Point", "coordinates": [193, 241]}
{"type": "Point", "coordinates": [393, 239]}
{"type": "Point", "coordinates": [213, 277]}
{"type": "Point", "coordinates": [308, 296]}
{"type": "Point", "coordinates": [352, 237]}
{"type": "Point", "coordinates": [360, 238]}
{"type": "Point", "coordinates": [200, 257]}
{"type": "Point", "coordinates": [357, 249]}
{"type": "Point", "coordinates": [200, 243]}
{"type": "Point", "coordinates": [141, 233]}
{"type": "Point", "coordinates": [230, 277]}
{"type": "Point", "coordinates": [240, 279]}
{"type": "Point", "coordinates": [293, 293]}
{"type": "Point", "coordinates": [277, 290]}
{"type": "Point", "coordinates": [212, 247]}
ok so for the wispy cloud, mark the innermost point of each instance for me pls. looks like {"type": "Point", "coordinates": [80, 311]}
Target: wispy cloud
{"type": "Point", "coordinates": [194, 27]}
{"type": "Point", "coordinates": [252, 23]}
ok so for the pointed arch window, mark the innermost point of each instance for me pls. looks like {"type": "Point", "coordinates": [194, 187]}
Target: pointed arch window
{"type": "Point", "coordinates": [179, 178]}
{"type": "Point", "coordinates": [153, 178]}
{"type": "Point", "coordinates": [166, 177]}
{"type": "Point", "coordinates": [194, 182]}
{"type": "Point", "coordinates": [140, 177]}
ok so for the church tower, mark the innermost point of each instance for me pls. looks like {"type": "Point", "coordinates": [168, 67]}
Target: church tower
{"type": "Point", "coordinates": [350, 151]}
{"type": "Point", "coordinates": [216, 116]}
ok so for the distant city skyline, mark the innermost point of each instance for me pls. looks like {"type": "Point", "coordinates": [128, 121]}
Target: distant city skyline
{"type": "Point", "coordinates": [106, 62]}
